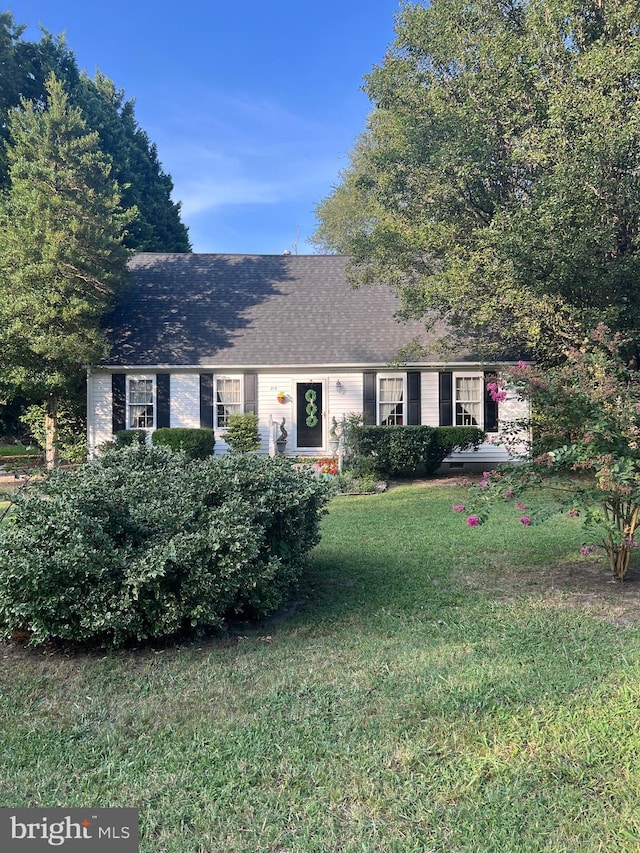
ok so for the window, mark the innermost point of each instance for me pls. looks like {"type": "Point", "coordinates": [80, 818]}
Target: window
{"type": "Point", "coordinates": [469, 396]}
{"type": "Point", "coordinates": [391, 400]}
{"type": "Point", "coordinates": [228, 400]}
{"type": "Point", "coordinates": [140, 405]}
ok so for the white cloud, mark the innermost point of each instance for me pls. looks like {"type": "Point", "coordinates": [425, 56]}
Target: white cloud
{"type": "Point", "coordinates": [239, 150]}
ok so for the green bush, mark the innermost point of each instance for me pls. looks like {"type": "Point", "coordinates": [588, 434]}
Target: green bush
{"type": "Point", "coordinates": [71, 436]}
{"type": "Point", "coordinates": [144, 543]}
{"type": "Point", "coordinates": [399, 450]}
{"type": "Point", "coordinates": [196, 443]}
{"type": "Point", "coordinates": [127, 437]}
{"type": "Point", "coordinates": [242, 433]}
{"type": "Point", "coordinates": [452, 438]}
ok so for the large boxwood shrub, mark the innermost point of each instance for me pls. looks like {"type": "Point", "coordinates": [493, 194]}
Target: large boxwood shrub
{"type": "Point", "coordinates": [145, 543]}
{"type": "Point", "coordinates": [387, 451]}
{"type": "Point", "coordinates": [196, 443]}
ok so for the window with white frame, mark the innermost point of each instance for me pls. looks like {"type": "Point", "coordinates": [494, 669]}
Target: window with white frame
{"type": "Point", "coordinates": [469, 397]}
{"type": "Point", "coordinates": [391, 395]}
{"type": "Point", "coordinates": [140, 414]}
{"type": "Point", "coordinates": [228, 399]}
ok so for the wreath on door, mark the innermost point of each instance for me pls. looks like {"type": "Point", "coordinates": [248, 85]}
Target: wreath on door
{"type": "Point", "coordinates": [311, 410]}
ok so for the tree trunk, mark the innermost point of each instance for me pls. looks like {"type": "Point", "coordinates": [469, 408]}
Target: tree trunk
{"type": "Point", "coordinates": [51, 432]}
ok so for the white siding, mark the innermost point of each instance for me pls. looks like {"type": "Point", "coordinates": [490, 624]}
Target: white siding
{"type": "Point", "coordinates": [342, 396]}
{"type": "Point", "coordinates": [514, 409]}
{"type": "Point", "coordinates": [346, 399]}
{"type": "Point", "coordinates": [493, 451]}
{"type": "Point", "coordinates": [489, 453]}
{"type": "Point", "coordinates": [99, 414]}
{"type": "Point", "coordinates": [338, 401]}
{"type": "Point", "coordinates": [269, 385]}
{"type": "Point", "coordinates": [185, 400]}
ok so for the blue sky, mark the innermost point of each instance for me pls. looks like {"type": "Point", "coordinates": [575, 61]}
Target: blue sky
{"type": "Point", "coordinates": [254, 106]}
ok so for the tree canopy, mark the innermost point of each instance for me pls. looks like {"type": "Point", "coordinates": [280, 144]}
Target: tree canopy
{"type": "Point", "coordinates": [62, 258]}
{"type": "Point", "coordinates": [497, 182]}
{"type": "Point", "coordinates": [24, 69]}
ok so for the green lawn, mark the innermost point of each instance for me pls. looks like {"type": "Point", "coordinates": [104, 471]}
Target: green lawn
{"type": "Point", "coordinates": [9, 450]}
{"type": "Point", "coordinates": [431, 688]}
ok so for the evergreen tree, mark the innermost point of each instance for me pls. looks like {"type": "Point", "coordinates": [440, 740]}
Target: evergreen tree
{"type": "Point", "coordinates": [24, 69]}
{"type": "Point", "coordinates": [136, 167]}
{"type": "Point", "coordinates": [62, 258]}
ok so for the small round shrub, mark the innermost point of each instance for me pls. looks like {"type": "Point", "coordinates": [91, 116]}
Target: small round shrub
{"type": "Point", "coordinates": [144, 543]}
{"type": "Point", "coordinates": [196, 443]}
{"type": "Point", "coordinates": [242, 434]}
{"type": "Point", "coordinates": [127, 437]}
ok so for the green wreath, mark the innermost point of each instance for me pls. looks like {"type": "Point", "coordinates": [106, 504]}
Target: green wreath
{"type": "Point", "coordinates": [310, 396]}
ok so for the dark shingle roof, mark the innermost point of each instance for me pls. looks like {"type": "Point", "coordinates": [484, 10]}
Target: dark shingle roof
{"type": "Point", "coordinates": [252, 311]}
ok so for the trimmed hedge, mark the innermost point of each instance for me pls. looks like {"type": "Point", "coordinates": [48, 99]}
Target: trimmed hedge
{"type": "Point", "coordinates": [196, 443]}
{"type": "Point", "coordinates": [450, 438]}
{"type": "Point", "coordinates": [127, 437]}
{"type": "Point", "coordinates": [396, 450]}
{"type": "Point", "coordinates": [144, 543]}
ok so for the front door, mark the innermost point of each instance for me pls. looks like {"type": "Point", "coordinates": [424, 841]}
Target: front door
{"type": "Point", "coordinates": [309, 414]}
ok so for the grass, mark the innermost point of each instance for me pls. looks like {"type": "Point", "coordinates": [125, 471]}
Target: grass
{"type": "Point", "coordinates": [431, 688]}
{"type": "Point", "coordinates": [10, 450]}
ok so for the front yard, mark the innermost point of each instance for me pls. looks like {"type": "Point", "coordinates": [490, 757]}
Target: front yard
{"type": "Point", "coordinates": [430, 688]}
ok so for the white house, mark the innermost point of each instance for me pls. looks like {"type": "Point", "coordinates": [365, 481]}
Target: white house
{"type": "Point", "coordinates": [198, 337]}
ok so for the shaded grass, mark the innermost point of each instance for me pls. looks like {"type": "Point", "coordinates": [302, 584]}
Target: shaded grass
{"type": "Point", "coordinates": [12, 450]}
{"type": "Point", "coordinates": [392, 709]}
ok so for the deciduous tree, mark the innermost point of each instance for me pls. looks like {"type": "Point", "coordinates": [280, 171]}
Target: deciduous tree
{"type": "Point", "coordinates": [498, 180]}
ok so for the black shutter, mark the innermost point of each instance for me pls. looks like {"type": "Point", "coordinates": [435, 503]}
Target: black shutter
{"type": "Point", "coordinates": [490, 406]}
{"type": "Point", "coordinates": [163, 400]}
{"type": "Point", "coordinates": [446, 398]}
{"type": "Point", "coordinates": [369, 403]}
{"type": "Point", "coordinates": [251, 393]}
{"type": "Point", "coordinates": [414, 397]}
{"type": "Point", "coordinates": [118, 402]}
{"type": "Point", "coordinates": [206, 400]}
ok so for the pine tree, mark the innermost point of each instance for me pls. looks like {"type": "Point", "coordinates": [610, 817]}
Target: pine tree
{"type": "Point", "coordinates": [62, 258]}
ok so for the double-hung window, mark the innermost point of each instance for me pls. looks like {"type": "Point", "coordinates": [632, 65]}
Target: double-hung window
{"type": "Point", "coordinates": [391, 397]}
{"type": "Point", "coordinates": [140, 404]}
{"type": "Point", "coordinates": [469, 397]}
{"type": "Point", "coordinates": [228, 399]}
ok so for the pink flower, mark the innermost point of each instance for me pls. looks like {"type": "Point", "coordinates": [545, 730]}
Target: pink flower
{"type": "Point", "coordinates": [494, 389]}
{"type": "Point", "coordinates": [486, 475]}
{"type": "Point", "coordinates": [521, 364]}
{"type": "Point", "coordinates": [526, 520]}
{"type": "Point", "coordinates": [521, 506]}
{"type": "Point", "coordinates": [473, 521]}
{"type": "Point", "coordinates": [458, 508]}
{"type": "Point", "coordinates": [573, 513]}
{"type": "Point", "coordinates": [586, 550]}
{"type": "Point", "coordinates": [509, 493]}
{"type": "Point", "coordinates": [483, 484]}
